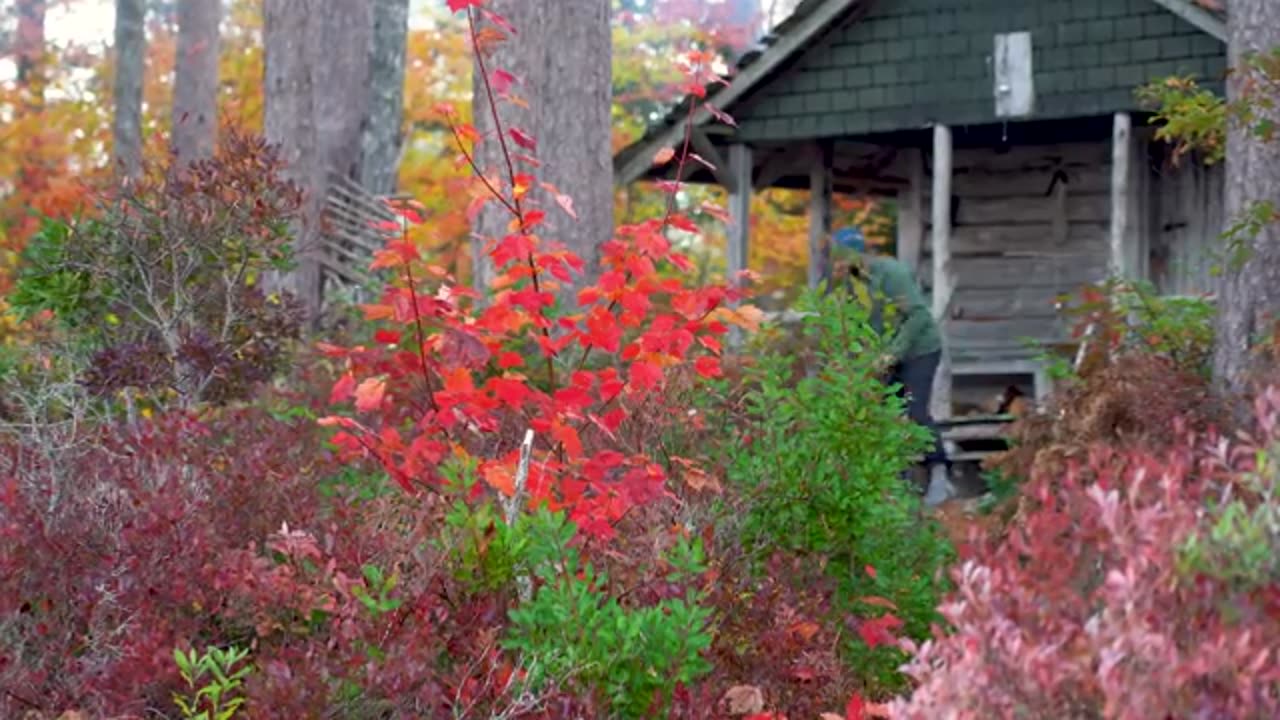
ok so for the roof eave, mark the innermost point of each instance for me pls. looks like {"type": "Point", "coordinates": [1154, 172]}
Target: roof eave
{"type": "Point", "coordinates": [633, 161]}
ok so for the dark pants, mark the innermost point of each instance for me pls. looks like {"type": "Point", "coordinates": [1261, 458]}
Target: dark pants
{"type": "Point", "coordinates": [915, 377]}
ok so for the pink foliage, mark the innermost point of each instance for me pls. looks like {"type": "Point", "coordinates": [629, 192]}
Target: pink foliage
{"type": "Point", "coordinates": [1086, 609]}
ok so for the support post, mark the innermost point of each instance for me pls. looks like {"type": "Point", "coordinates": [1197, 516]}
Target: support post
{"type": "Point", "coordinates": [911, 220]}
{"type": "Point", "coordinates": [1120, 262]}
{"type": "Point", "coordinates": [943, 284]}
{"type": "Point", "coordinates": [820, 214]}
{"type": "Point", "coordinates": [737, 254]}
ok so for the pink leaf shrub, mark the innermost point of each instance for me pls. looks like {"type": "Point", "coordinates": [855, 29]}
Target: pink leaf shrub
{"type": "Point", "coordinates": [1119, 595]}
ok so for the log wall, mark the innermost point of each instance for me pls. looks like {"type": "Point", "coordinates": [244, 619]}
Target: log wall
{"type": "Point", "coordinates": [1187, 221]}
{"type": "Point", "coordinates": [1020, 237]}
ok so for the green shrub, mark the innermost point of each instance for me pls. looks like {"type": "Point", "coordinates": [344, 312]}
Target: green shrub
{"type": "Point", "coordinates": [820, 455]}
{"type": "Point", "coordinates": [571, 632]}
{"type": "Point", "coordinates": [1131, 316]}
{"type": "Point", "coordinates": [568, 624]}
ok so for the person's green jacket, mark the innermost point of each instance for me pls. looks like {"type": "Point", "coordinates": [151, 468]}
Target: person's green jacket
{"type": "Point", "coordinates": [891, 282]}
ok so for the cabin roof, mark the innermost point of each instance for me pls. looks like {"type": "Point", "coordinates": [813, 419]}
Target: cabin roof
{"type": "Point", "coordinates": [805, 38]}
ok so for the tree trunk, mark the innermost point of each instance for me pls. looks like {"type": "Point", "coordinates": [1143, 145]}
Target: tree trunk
{"type": "Point", "coordinates": [562, 56]}
{"type": "Point", "coordinates": [29, 51]}
{"type": "Point", "coordinates": [316, 61]}
{"type": "Point", "coordinates": [195, 85]}
{"type": "Point", "coordinates": [131, 49]}
{"type": "Point", "coordinates": [1249, 294]}
{"type": "Point", "coordinates": [382, 134]}
{"type": "Point", "coordinates": [28, 48]}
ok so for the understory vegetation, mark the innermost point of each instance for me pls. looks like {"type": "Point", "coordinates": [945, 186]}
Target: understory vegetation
{"type": "Point", "coordinates": [607, 494]}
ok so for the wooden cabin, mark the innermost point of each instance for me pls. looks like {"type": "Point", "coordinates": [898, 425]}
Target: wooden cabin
{"type": "Point", "coordinates": [1009, 134]}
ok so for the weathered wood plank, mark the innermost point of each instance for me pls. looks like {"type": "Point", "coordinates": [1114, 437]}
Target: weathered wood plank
{"type": "Point", "coordinates": [1065, 271]}
{"type": "Point", "coordinates": [1188, 220]}
{"type": "Point", "coordinates": [1082, 238]}
{"type": "Point", "coordinates": [1081, 154]}
{"type": "Point", "coordinates": [1030, 182]}
{"type": "Point", "coordinates": [1081, 207]}
{"type": "Point", "coordinates": [982, 304]}
{"type": "Point", "coordinates": [1015, 331]}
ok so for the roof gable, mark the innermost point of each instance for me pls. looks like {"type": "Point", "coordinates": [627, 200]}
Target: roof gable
{"type": "Point", "coordinates": [792, 88]}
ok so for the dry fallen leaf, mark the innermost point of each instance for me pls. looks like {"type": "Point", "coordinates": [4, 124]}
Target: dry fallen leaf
{"type": "Point", "coordinates": [743, 700]}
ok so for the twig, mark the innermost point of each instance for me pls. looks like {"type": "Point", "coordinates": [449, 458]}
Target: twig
{"type": "Point", "coordinates": [512, 510]}
{"type": "Point", "coordinates": [522, 478]}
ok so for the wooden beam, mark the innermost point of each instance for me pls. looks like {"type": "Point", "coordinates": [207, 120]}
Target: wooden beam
{"type": "Point", "coordinates": [739, 168]}
{"type": "Point", "coordinates": [1122, 213]}
{"type": "Point", "coordinates": [774, 167]}
{"type": "Point", "coordinates": [708, 152]}
{"type": "Point", "coordinates": [820, 214]}
{"type": "Point", "coordinates": [911, 211]}
{"type": "Point", "coordinates": [1196, 15]}
{"type": "Point", "coordinates": [797, 38]}
{"type": "Point", "coordinates": [943, 285]}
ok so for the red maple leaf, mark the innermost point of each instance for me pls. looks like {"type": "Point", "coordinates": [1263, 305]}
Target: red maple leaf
{"type": "Point", "coordinates": [707, 367]}
{"type": "Point", "coordinates": [645, 375]}
{"type": "Point", "coordinates": [855, 709]}
{"type": "Point", "coordinates": [523, 139]}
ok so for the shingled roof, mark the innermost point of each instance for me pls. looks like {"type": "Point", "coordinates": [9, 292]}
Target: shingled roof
{"type": "Point", "coordinates": [808, 24]}
{"type": "Point", "coordinates": [811, 19]}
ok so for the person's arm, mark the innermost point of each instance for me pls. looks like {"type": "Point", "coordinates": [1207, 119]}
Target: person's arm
{"type": "Point", "coordinates": [900, 288]}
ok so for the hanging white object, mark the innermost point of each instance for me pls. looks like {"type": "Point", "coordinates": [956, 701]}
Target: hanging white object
{"type": "Point", "coordinates": [1014, 90]}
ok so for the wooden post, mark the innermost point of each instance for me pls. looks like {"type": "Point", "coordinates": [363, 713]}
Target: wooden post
{"type": "Point", "coordinates": [820, 214]}
{"type": "Point", "coordinates": [911, 212]}
{"type": "Point", "coordinates": [739, 209]}
{"type": "Point", "coordinates": [737, 254]}
{"type": "Point", "coordinates": [1122, 224]}
{"type": "Point", "coordinates": [942, 280]}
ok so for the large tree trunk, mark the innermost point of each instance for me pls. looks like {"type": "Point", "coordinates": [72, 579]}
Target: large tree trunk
{"type": "Point", "coordinates": [195, 88]}
{"type": "Point", "coordinates": [28, 49]}
{"type": "Point", "coordinates": [382, 136]}
{"type": "Point", "coordinates": [1249, 295]}
{"type": "Point", "coordinates": [131, 49]}
{"type": "Point", "coordinates": [316, 68]}
{"type": "Point", "coordinates": [562, 56]}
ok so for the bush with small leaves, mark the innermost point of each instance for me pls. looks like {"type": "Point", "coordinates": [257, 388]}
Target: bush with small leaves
{"type": "Point", "coordinates": [1135, 585]}
{"type": "Point", "coordinates": [163, 288]}
{"type": "Point", "coordinates": [819, 450]}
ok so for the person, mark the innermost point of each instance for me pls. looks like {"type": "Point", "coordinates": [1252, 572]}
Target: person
{"type": "Point", "coordinates": [914, 348]}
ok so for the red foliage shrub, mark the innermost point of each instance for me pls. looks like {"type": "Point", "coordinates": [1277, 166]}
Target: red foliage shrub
{"type": "Point", "coordinates": [1091, 608]}
{"type": "Point", "coordinates": [235, 527]}
{"type": "Point", "coordinates": [109, 552]}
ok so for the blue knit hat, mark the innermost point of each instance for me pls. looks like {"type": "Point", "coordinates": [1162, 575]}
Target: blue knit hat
{"type": "Point", "coordinates": [850, 238]}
